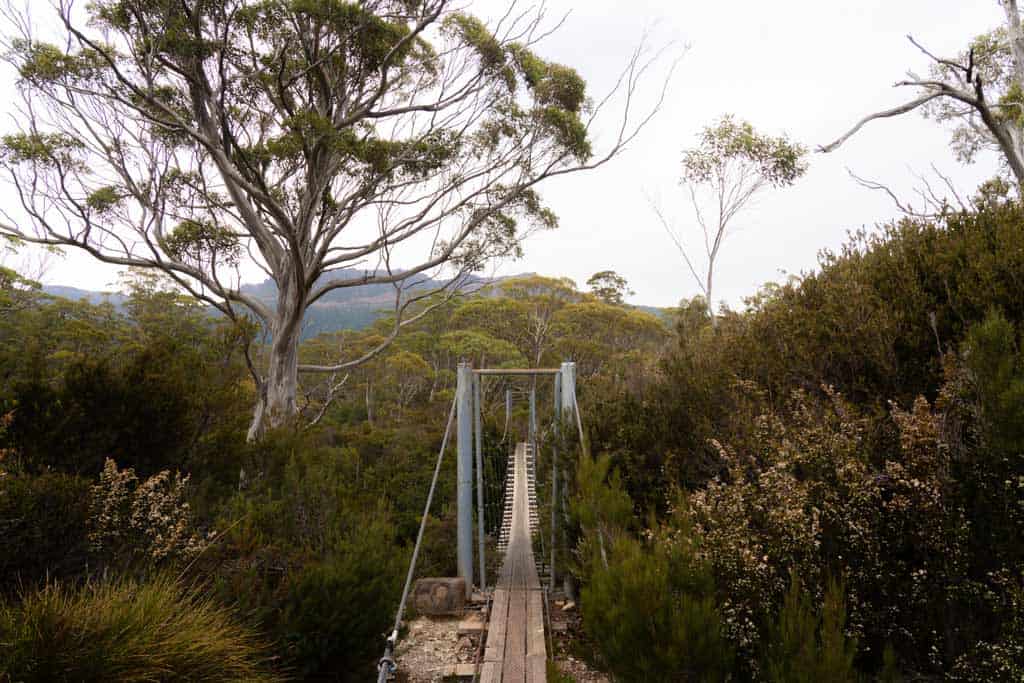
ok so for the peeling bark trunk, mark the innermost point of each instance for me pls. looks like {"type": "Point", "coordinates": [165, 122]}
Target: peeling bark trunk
{"type": "Point", "coordinates": [277, 401]}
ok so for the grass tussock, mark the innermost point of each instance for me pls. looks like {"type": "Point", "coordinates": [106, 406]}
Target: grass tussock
{"type": "Point", "coordinates": [125, 631]}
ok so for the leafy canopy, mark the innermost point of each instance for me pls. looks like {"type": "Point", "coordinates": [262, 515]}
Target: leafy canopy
{"type": "Point", "coordinates": [777, 160]}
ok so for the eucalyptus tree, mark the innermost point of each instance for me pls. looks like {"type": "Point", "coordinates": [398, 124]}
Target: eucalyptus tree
{"type": "Point", "coordinates": [980, 92]}
{"type": "Point", "coordinates": [731, 164]}
{"type": "Point", "coordinates": [609, 287]}
{"type": "Point", "coordinates": [324, 141]}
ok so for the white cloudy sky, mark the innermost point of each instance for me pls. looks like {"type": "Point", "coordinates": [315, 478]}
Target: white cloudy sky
{"type": "Point", "coordinates": [805, 67]}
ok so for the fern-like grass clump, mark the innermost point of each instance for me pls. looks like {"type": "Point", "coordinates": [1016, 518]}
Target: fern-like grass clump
{"type": "Point", "coordinates": [125, 631]}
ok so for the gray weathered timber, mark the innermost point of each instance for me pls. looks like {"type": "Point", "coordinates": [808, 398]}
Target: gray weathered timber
{"type": "Point", "coordinates": [515, 651]}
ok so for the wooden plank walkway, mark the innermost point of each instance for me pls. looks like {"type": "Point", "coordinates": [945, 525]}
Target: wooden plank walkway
{"type": "Point", "coordinates": [515, 651]}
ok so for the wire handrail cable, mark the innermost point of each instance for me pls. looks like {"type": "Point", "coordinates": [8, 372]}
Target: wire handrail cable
{"type": "Point", "coordinates": [386, 666]}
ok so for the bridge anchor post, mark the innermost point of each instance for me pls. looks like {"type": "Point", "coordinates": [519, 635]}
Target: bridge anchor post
{"type": "Point", "coordinates": [464, 473]}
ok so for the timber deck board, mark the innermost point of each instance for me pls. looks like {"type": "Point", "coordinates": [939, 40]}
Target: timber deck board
{"type": "Point", "coordinates": [516, 650]}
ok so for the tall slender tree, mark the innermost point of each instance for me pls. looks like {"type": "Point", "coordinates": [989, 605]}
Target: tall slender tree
{"type": "Point", "coordinates": [731, 164]}
{"type": "Point", "coordinates": [309, 137]}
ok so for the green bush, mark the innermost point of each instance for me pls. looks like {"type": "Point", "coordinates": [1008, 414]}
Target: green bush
{"type": "Point", "coordinates": [315, 564]}
{"type": "Point", "coordinates": [336, 611]}
{"type": "Point", "coordinates": [805, 646]}
{"type": "Point", "coordinates": [43, 528]}
{"type": "Point", "coordinates": [652, 613]}
{"type": "Point", "coordinates": [125, 631]}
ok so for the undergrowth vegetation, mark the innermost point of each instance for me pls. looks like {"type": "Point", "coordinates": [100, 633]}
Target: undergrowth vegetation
{"type": "Point", "coordinates": [827, 485]}
{"type": "Point", "coordinates": [121, 630]}
{"type": "Point", "coordinates": [848, 455]}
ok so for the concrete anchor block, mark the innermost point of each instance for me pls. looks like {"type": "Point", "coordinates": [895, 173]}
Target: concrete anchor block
{"type": "Point", "coordinates": [439, 596]}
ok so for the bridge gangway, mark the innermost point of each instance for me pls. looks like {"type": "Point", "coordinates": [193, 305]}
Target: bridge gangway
{"type": "Point", "coordinates": [516, 651]}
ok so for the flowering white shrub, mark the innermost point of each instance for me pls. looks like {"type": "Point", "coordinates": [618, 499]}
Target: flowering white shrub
{"type": "Point", "coordinates": [148, 521]}
{"type": "Point", "coordinates": [814, 496]}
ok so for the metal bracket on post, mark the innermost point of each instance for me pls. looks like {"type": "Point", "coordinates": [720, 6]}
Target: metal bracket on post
{"type": "Point", "coordinates": [464, 474]}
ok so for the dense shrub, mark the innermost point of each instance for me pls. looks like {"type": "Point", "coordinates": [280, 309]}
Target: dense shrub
{"type": "Point", "coordinates": [805, 646]}
{"type": "Point", "coordinates": [97, 412]}
{"type": "Point", "coordinates": [652, 614]}
{"type": "Point", "coordinates": [124, 631]}
{"type": "Point", "coordinates": [43, 528]}
{"type": "Point", "coordinates": [145, 523]}
{"type": "Point", "coordinates": [314, 563]}
{"type": "Point", "coordinates": [650, 606]}
{"type": "Point", "coordinates": [861, 421]}
{"type": "Point", "coordinates": [336, 610]}
{"type": "Point", "coordinates": [161, 387]}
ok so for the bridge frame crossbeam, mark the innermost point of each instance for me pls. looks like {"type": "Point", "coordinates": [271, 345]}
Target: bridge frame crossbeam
{"type": "Point", "coordinates": [468, 410]}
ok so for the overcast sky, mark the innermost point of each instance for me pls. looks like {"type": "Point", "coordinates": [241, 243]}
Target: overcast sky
{"type": "Point", "coordinates": [804, 67]}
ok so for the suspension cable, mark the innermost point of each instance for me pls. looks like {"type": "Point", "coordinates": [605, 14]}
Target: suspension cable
{"type": "Point", "coordinates": [579, 421]}
{"type": "Point", "coordinates": [386, 666]}
{"type": "Point", "coordinates": [508, 413]}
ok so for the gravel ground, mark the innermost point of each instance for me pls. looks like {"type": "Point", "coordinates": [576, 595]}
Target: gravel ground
{"type": "Point", "coordinates": [432, 646]}
{"type": "Point", "coordinates": [568, 639]}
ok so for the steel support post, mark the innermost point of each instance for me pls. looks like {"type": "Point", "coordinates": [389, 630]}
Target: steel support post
{"type": "Point", "coordinates": [464, 473]}
{"type": "Point", "coordinates": [556, 402]}
{"type": "Point", "coordinates": [478, 431]}
{"type": "Point", "coordinates": [567, 378]}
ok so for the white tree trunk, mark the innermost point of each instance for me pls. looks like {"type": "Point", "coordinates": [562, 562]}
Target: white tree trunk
{"type": "Point", "coordinates": [277, 403]}
{"type": "Point", "coordinates": [707, 290]}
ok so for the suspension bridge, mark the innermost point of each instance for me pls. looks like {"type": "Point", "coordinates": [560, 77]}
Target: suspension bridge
{"type": "Point", "coordinates": [515, 649]}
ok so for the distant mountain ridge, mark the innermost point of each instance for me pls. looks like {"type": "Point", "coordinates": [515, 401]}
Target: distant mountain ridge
{"type": "Point", "coordinates": [349, 308]}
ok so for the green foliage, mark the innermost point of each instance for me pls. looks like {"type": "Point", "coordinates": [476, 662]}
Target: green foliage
{"type": "Point", "coordinates": [43, 64]}
{"type": "Point", "coordinates": [991, 355]}
{"type": "Point", "coordinates": [103, 200]}
{"type": "Point", "coordinates": [97, 412]}
{"type": "Point", "coordinates": [728, 142]}
{"type": "Point", "coordinates": [568, 130]}
{"type": "Point", "coordinates": [43, 528]}
{"type": "Point", "coordinates": [336, 609]}
{"type": "Point", "coordinates": [806, 646]}
{"type": "Point", "coordinates": [193, 240]}
{"type": "Point", "coordinates": [600, 508]}
{"type": "Point", "coordinates": [907, 483]}
{"type": "Point", "coordinates": [125, 631]}
{"type": "Point", "coordinates": [16, 292]}
{"type": "Point", "coordinates": [45, 149]}
{"type": "Point", "coordinates": [651, 610]}
{"type": "Point", "coordinates": [475, 33]}
{"type": "Point", "coordinates": [160, 388]}
{"type": "Point", "coordinates": [609, 287]}
{"type": "Point", "coordinates": [343, 566]}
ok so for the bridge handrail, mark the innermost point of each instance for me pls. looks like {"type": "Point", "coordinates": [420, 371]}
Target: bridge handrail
{"type": "Point", "coordinates": [386, 666]}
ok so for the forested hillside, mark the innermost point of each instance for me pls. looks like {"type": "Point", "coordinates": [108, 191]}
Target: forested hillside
{"type": "Point", "coordinates": [207, 480]}
{"type": "Point", "coordinates": [124, 454]}
{"type": "Point", "coordinates": [828, 482]}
